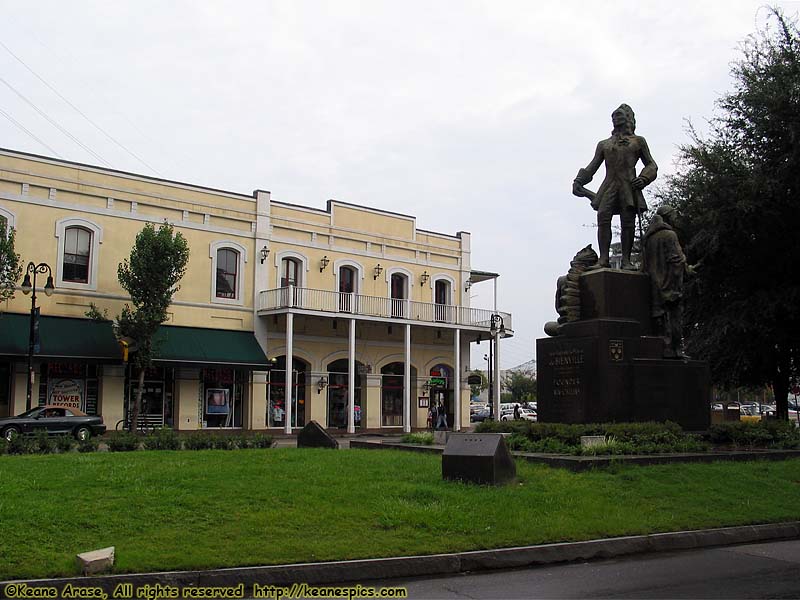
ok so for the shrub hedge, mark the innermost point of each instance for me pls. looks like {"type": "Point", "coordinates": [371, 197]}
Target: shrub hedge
{"type": "Point", "coordinates": [643, 438]}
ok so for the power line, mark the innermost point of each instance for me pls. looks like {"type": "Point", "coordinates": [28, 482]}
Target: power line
{"type": "Point", "coordinates": [79, 111]}
{"type": "Point", "coordinates": [28, 131]}
{"type": "Point", "coordinates": [54, 123]}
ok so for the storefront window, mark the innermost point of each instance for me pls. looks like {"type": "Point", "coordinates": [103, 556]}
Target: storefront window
{"type": "Point", "coordinates": [392, 393]}
{"type": "Point", "coordinates": [156, 409]}
{"type": "Point", "coordinates": [5, 389]}
{"type": "Point", "coordinates": [277, 392]}
{"type": "Point", "coordinates": [73, 385]}
{"type": "Point", "coordinates": [338, 394]}
{"type": "Point", "coordinates": [441, 390]}
{"type": "Point", "coordinates": [222, 397]}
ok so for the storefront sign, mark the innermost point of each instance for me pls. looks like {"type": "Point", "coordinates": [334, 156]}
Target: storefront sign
{"type": "Point", "coordinates": [66, 392]}
{"type": "Point", "coordinates": [437, 382]}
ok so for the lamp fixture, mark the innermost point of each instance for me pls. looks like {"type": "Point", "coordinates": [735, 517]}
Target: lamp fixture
{"type": "Point", "coordinates": [322, 384]}
{"type": "Point", "coordinates": [467, 285]}
{"type": "Point", "coordinates": [264, 252]}
{"type": "Point", "coordinates": [377, 271]}
{"type": "Point", "coordinates": [496, 325]}
{"type": "Point", "coordinates": [324, 262]}
{"type": "Point", "coordinates": [423, 278]}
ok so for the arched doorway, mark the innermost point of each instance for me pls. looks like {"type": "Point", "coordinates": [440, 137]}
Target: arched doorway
{"type": "Point", "coordinates": [441, 390]}
{"type": "Point", "coordinates": [392, 376]}
{"type": "Point", "coordinates": [338, 396]}
{"type": "Point", "coordinates": [278, 390]}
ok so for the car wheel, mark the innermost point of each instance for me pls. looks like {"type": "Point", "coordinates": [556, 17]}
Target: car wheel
{"type": "Point", "coordinates": [9, 433]}
{"type": "Point", "coordinates": [82, 434]}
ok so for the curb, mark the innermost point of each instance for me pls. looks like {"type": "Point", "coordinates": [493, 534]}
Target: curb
{"type": "Point", "coordinates": [352, 571]}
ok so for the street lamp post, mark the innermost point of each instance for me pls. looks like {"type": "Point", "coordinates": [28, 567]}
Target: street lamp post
{"type": "Point", "coordinates": [29, 286]}
{"type": "Point", "coordinates": [497, 329]}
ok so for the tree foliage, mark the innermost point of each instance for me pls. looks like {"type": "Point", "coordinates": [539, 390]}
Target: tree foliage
{"type": "Point", "coordinates": [736, 191]}
{"type": "Point", "coordinates": [521, 386]}
{"type": "Point", "coordinates": [150, 275]}
{"type": "Point", "coordinates": [10, 264]}
{"type": "Point", "coordinates": [475, 390]}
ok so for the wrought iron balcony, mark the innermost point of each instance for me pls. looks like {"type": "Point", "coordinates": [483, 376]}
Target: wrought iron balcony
{"type": "Point", "coordinates": [326, 301]}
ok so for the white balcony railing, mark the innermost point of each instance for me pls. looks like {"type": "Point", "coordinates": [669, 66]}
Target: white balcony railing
{"type": "Point", "coordinates": [374, 306]}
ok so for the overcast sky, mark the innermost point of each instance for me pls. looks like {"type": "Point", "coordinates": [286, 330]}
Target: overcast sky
{"type": "Point", "coordinates": [472, 116]}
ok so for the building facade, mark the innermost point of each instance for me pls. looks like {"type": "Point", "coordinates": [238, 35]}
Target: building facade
{"type": "Point", "coordinates": [373, 311]}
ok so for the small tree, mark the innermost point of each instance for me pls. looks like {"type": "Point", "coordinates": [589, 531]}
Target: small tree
{"type": "Point", "coordinates": [157, 263]}
{"type": "Point", "coordinates": [522, 387]}
{"type": "Point", "coordinates": [10, 265]}
{"type": "Point", "coordinates": [476, 389]}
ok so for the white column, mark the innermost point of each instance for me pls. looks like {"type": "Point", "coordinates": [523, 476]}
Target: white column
{"type": "Point", "coordinates": [351, 379]}
{"type": "Point", "coordinates": [496, 381]}
{"type": "Point", "coordinates": [407, 383]}
{"type": "Point", "coordinates": [457, 381]}
{"type": "Point", "coordinates": [287, 428]}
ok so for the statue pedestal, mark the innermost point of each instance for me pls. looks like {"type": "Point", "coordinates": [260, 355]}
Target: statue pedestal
{"type": "Point", "coordinates": [607, 366]}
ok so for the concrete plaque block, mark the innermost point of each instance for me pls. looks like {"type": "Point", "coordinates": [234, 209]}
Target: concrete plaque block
{"type": "Point", "coordinates": [481, 458]}
{"type": "Point", "coordinates": [313, 435]}
{"type": "Point", "coordinates": [96, 561]}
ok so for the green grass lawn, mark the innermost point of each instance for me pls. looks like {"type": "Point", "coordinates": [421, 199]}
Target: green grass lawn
{"type": "Point", "coordinates": [184, 510]}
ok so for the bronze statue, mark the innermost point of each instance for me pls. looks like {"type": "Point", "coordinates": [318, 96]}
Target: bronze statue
{"type": "Point", "coordinates": [621, 190]}
{"type": "Point", "coordinates": [666, 264]}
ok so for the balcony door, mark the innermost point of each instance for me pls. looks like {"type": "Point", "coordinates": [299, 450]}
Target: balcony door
{"type": "Point", "coordinates": [442, 298]}
{"type": "Point", "coordinates": [347, 289]}
{"type": "Point", "coordinates": [399, 291]}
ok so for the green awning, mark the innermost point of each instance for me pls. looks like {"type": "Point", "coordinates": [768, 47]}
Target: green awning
{"type": "Point", "coordinates": [65, 338]}
{"type": "Point", "coordinates": [195, 345]}
{"type": "Point", "coordinates": [59, 338]}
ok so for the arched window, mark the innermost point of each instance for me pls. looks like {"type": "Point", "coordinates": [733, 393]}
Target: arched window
{"type": "Point", "coordinates": [227, 273]}
{"type": "Point", "coordinates": [77, 255]}
{"type": "Point", "coordinates": [339, 395]}
{"type": "Point", "coordinates": [228, 259]}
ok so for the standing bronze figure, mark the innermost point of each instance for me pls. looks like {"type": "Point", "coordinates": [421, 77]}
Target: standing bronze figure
{"type": "Point", "coordinates": [621, 190]}
{"type": "Point", "coordinates": [666, 264]}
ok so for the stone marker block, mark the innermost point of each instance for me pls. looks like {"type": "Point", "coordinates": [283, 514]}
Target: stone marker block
{"type": "Point", "coordinates": [589, 441]}
{"type": "Point", "coordinates": [481, 458]}
{"type": "Point", "coordinates": [96, 561]}
{"type": "Point", "coordinates": [313, 435]}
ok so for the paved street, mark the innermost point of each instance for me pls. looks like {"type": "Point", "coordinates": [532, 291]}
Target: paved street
{"type": "Point", "coordinates": [747, 571]}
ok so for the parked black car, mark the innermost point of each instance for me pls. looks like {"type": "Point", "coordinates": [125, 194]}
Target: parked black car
{"type": "Point", "coordinates": [55, 420]}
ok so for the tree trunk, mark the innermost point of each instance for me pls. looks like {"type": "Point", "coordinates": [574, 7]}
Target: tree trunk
{"type": "Point", "coordinates": [780, 383]}
{"type": "Point", "coordinates": [137, 402]}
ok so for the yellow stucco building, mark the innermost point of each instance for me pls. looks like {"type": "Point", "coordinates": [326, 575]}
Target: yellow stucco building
{"type": "Point", "coordinates": [373, 311]}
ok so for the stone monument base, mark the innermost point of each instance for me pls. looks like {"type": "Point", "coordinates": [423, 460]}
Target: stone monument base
{"type": "Point", "coordinates": [608, 368]}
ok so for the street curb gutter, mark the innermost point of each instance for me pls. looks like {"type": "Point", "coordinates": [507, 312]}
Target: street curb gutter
{"type": "Point", "coordinates": [340, 572]}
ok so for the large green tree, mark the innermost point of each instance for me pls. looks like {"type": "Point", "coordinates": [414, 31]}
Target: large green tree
{"type": "Point", "coordinates": [10, 265]}
{"type": "Point", "coordinates": [157, 262]}
{"type": "Point", "coordinates": [737, 191]}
